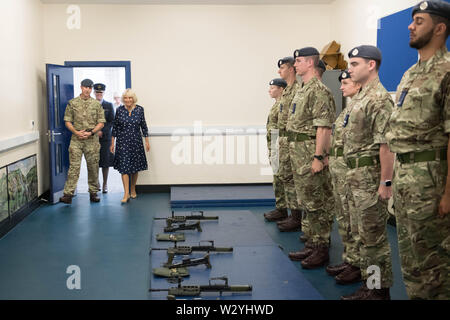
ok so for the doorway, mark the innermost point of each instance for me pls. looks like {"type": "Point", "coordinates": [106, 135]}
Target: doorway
{"type": "Point", "coordinates": [116, 80]}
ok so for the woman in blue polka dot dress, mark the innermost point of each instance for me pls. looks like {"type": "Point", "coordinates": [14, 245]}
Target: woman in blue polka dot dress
{"type": "Point", "coordinates": [129, 150]}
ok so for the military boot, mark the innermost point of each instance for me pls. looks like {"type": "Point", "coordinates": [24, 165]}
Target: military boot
{"type": "Point", "coordinates": [358, 294]}
{"type": "Point", "coordinates": [295, 224]}
{"type": "Point", "coordinates": [318, 258]}
{"type": "Point", "coordinates": [303, 254]}
{"type": "Point", "coordinates": [303, 238]}
{"type": "Point", "coordinates": [351, 274]}
{"type": "Point", "coordinates": [93, 197]}
{"type": "Point", "coordinates": [335, 270]}
{"type": "Point", "coordinates": [276, 215]}
{"type": "Point", "coordinates": [66, 198]}
{"type": "Point", "coordinates": [378, 294]}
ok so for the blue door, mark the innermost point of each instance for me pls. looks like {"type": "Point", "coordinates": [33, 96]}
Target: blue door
{"type": "Point", "coordinates": [59, 92]}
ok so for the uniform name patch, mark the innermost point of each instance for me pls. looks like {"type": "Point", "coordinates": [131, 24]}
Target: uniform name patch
{"type": "Point", "coordinates": [346, 120]}
{"type": "Point", "coordinates": [402, 97]}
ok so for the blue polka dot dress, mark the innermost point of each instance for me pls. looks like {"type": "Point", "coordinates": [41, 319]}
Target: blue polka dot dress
{"type": "Point", "coordinates": [129, 152]}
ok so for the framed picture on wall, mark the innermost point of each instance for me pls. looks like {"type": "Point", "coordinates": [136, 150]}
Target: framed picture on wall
{"type": "Point", "coordinates": [4, 209]}
{"type": "Point", "coordinates": [22, 183]}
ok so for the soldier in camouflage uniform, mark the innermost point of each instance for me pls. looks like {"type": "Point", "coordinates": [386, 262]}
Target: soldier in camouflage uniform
{"type": "Point", "coordinates": [293, 222]}
{"type": "Point", "coordinates": [84, 117]}
{"type": "Point", "coordinates": [348, 271]}
{"type": "Point", "coordinates": [370, 166]}
{"type": "Point", "coordinates": [418, 133]}
{"type": "Point", "coordinates": [311, 116]}
{"type": "Point", "coordinates": [275, 92]}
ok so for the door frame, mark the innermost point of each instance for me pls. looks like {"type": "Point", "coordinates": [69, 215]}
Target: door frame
{"type": "Point", "coordinates": [105, 64]}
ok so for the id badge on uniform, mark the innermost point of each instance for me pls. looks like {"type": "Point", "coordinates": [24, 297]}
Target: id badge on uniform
{"type": "Point", "coordinates": [293, 108]}
{"type": "Point", "coordinates": [402, 97]}
{"type": "Point", "coordinates": [346, 120]}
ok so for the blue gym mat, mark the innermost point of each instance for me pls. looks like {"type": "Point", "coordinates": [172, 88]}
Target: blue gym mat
{"type": "Point", "coordinates": [221, 196]}
{"type": "Point", "coordinates": [256, 260]}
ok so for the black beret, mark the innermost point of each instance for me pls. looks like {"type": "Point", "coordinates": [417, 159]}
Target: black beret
{"type": "Point", "coordinates": [344, 75]}
{"type": "Point", "coordinates": [99, 87]}
{"type": "Point", "coordinates": [439, 8]}
{"type": "Point", "coordinates": [278, 82]}
{"type": "Point", "coordinates": [291, 60]}
{"type": "Point", "coordinates": [322, 65]}
{"type": "Point", "coordinates": [368, 52]}
{"type": "Point", "coordinates": [306, 52]}
{"type": "Point", "coordinates": [87, 83]}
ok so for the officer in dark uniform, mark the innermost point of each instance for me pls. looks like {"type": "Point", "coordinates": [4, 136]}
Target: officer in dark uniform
{"type": "Point", "coordinates": [106, 157]}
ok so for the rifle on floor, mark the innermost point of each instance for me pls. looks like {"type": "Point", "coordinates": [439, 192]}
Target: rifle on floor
{"type": "Point", "coordinates": [184, 226]}
{"type": "Point", "coordinates": [196, 290]}
{"type": "Point", "coordinates": [188, 262]}
{"type": "Point", "coordinates": [187, 250]}
{"type": "Point", "coordinates": [179, 269]}
{"type": "Point", "coordinates": [181, 219]}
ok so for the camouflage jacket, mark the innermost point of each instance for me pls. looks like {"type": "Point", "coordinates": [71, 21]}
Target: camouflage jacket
{"type": "Point", "coordinates": [285, 102]}
{"type": "Point", "coordinates": [338, 128]}
{"type": "Point", "coordinates": [84, 114]}
{"type": "Point", "coordinates": [313, 106]}
{"type": "Point", "coordinates": [421, 119]}
{"type": "Point", "coordinates": [272, 120]}
{"type": "Point", "coordinates": [368, 120]}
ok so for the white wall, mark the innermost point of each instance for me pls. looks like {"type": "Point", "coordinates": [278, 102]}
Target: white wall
{"type": "Point", "coordinates": [192, 63]}
{"type": "Point", "coordinates": [22, 82]}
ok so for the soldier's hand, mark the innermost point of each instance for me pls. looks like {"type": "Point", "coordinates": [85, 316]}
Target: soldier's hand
{"type": "Point", "coordinates": [385, 193]}
{"type": "Point", "coordinates": [100, 134]}
{"type": "Point", "coordinates": [444, 206]}
{"type": "Point", "coordinates": [81, 135]}
{"type": "Point", "coordinates": [317, 166]}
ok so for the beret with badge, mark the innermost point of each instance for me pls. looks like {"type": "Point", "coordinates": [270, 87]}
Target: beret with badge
{"type": "Point", "coordinates": [278, 82]}
{"type": "Point", "coordinates": [344, 75]}
{"type": "Point", "coordinates": [367, 52]}
{"type": "Point", "coordinates": [306, 52]}
{"type": "Point", "coordinates": [436, 7]}
{"type": "Point", "coordinates": [286, 60]}
{"type": "Point", "coordinates": [87, 83]}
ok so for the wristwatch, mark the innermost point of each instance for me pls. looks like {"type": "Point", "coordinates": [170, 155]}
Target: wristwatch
{"type": "Point", "coordinates": [386, 183]}
{"type": "Point", "coordinates": [318, 157]}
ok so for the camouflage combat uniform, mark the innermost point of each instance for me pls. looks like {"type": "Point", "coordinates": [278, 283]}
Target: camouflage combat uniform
{"type": "Point", "coordinates": [85, 115]}
{"type": "Point", "coordinates": [313, 106]}
{"type": "Point", "coordinates": [338, 171]}
{"type": "Point", "coordinates": [362, 136]}
{"type": "Point", "coordinates": [272, 133]}
{"type": "Point", "coordinates": [285, 169]}
{"type": "Point", "coordinates": [418, 133]}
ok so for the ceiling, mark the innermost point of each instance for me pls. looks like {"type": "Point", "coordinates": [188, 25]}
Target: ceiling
{"type": "Point", "coordinates": [212, 2]}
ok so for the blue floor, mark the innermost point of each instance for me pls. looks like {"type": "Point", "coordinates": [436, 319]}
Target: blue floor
{"type": "Point", "coordinates": [110, 243]}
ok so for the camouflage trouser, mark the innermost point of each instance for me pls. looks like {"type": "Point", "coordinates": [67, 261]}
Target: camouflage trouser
{"type": "Point", "coordinates": [285, 174]}
{"type": "Point", "coordinates": [423, 237]}
{"type": "Point", "coordinates": [91, 150]}
{"type": "Point", "coordinates": [314, 192]}
{"type": "Point", "coordinates": [278, 185]}
{"type": "Point", "coordinates": [368, 221]}
{"type": "Point", "coordinates": [338, 170]}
